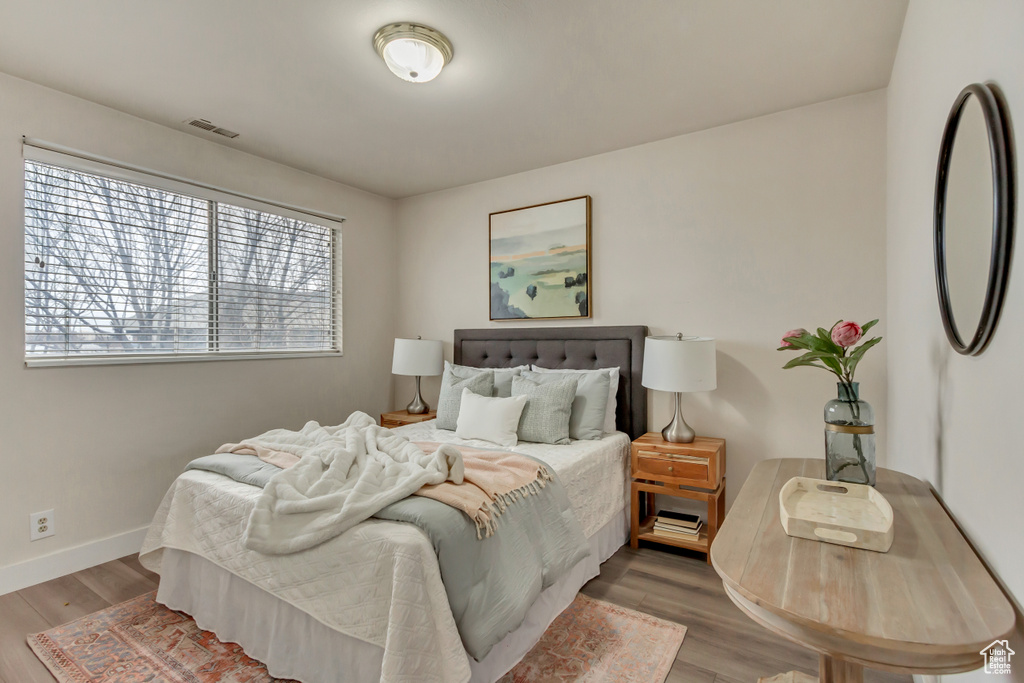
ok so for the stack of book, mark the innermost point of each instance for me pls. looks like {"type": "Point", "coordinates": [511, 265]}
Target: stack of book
{"type": "Point", "coordinates": [678, 525]}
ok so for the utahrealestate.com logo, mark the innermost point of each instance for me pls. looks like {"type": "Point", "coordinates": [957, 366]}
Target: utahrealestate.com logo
{"type": "Point", "coordinates": [997, 657]}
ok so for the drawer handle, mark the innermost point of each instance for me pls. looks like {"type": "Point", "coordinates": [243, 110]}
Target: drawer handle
{"type": "Point", "coordinates": [683, 458]}
{"type": "Point", "coordinates": [670, 468]}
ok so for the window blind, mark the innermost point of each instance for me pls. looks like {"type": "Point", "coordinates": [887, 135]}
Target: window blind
{"type": "Point", "coordinates": [125, 271]}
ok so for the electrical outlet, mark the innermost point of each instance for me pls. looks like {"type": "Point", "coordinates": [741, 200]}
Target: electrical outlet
{"type": "Point", "coordinates": [41, 525]}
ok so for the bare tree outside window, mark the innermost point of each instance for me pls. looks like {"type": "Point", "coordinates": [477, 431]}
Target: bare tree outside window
{"type": "Point", "coordinates": [119, 268]}
{"type": "Point", "coordinates": [275, 284]}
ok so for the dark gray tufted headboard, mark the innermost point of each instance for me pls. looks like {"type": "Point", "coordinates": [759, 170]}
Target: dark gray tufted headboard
{"type": "Point", "coordinates": [573, 348]}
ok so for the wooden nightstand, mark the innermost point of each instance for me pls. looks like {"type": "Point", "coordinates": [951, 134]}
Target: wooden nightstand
{"type": "Point", "coordinates": [398, 418]}
{"type": "Point", "coordinates": [684, 470]}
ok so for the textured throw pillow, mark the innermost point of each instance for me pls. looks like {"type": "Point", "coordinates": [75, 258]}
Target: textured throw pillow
{"type": "Point", "coordinates": [548, 406]}
{"type": "Point", "coordinates": [450, 398]}
{"type": "Point", "coordinates": [502, 377]}
{"type": "Point", "coordinates": [613, 390]}
{"type": "Point", "coordinates": [465, 372]}
{"type": "Point", "coordinates": [587, 418]}
{"type": "Point", "coordinates": [491, 419]}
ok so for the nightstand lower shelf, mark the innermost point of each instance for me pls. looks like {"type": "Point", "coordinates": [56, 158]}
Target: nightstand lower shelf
{"type": "Point", "coordinates": [647, 533]}
{"type": "Point", "coordinates": [643, 530]}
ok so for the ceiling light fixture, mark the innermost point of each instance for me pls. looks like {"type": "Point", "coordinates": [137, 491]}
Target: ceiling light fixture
{"type": "Point", "coordinates": [413, 52]}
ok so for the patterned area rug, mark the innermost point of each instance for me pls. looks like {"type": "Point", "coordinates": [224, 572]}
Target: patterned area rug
{"type": "Point", "coordinates": [142, 641]}
{"type": "Point", "coordinates": [598, 642]}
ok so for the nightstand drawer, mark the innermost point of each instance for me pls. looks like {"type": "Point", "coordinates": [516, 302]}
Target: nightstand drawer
{"type": "Point", "coordinates": [391, 424]}
{"type": "Point", "coordinates": [689, 467]}
{"type": "Point", "coordinates": [699, 464]}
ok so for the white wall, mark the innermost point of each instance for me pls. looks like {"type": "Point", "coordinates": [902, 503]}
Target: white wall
{"type": "Point", "coordinates": [100, 445]}
{"type": "Point", "coordinates": [740, 232]}
{"type": "Point", "coordinates": [954, 421]}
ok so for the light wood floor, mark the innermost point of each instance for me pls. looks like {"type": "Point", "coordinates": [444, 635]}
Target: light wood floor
{"type": "Point", "coordinates": [57, 602]}
{"type": "Point", "coordinates": [722, 644]}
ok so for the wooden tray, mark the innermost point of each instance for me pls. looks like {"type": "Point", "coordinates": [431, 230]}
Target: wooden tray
{"type": "Point", "coordinates": [853, 515]}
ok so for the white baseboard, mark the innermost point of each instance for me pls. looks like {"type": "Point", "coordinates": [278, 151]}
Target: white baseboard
{"type": "Point", "coordinates": [926, 678]}
{"type": "Point", "coordinates": [37, 570]}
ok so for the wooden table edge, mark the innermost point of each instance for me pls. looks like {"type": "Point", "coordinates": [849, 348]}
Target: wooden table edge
{"type": "Point", "coordinates": [837, 642]}
{"type": "Point", "coordinates": [964, 657]}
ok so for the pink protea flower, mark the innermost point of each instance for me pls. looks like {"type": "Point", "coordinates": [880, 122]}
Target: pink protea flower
{"type": "Point", "coordinates": [792, 333]}
{"type": "Point", "coordinates": [847, 333]}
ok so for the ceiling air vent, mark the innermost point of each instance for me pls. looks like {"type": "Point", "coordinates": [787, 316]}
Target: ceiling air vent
{"type": "Point", "coordinates": [210, 127]}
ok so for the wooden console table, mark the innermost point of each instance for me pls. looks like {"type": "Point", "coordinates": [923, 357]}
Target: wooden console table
{"type": "Point", "coordinates": [927, 606]}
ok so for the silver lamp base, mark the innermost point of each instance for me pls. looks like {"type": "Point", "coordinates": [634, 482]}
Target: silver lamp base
{"type": "Point", "coordinates": [677, 431]}
{"type": "Point", "coordinates": [417, 406]}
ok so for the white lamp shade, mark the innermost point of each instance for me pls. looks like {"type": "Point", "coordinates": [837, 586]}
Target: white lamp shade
{"type": "Point", "coordinates": [674, 364]}
{"type": "Point", "coordinates": [418, 357]}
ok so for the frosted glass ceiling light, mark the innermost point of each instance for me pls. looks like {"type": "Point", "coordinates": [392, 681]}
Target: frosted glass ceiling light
{"type": "Point", "coordinates": [413, 52]}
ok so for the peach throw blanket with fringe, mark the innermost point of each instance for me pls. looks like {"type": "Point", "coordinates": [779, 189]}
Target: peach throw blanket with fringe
{"type": "Point", "coordinates": [493, 480]}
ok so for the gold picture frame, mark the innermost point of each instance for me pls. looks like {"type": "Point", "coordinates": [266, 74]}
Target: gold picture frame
{"type": "Point", "coordinates": [539, 262]}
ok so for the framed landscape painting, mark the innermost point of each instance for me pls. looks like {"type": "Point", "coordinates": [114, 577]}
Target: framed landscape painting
{"type": "Point", "coordinates": [540, 261]}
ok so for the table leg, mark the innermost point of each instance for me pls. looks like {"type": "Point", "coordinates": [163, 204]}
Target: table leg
{"type": "Point", "coordinates": [634, 522]}
{"type": "Point", "coordinates": [714, 519]}
{"type": "Point", "coordinates": [832, 670]}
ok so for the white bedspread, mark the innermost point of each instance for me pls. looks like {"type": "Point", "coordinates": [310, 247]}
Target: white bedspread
{"type": "Point", "coordinates": [379, 581]}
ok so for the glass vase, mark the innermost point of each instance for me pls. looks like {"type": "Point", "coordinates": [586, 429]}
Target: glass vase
{"type": "Point", "coordinates": [850, 437]}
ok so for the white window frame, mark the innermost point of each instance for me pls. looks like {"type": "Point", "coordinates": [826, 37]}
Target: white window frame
{"type": "Point", "coordinates": [47, 153]}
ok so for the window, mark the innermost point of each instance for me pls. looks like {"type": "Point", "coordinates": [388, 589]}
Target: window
{"type": "Point", "coordinates": [135, 269]}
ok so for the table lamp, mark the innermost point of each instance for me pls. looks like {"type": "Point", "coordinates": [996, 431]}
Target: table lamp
{"type": "Point", "coordinates": [418, 358]}
{"type": "Point", "coordinates": [679, 364]}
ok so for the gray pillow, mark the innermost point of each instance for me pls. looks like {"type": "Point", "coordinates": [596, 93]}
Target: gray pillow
{"type": "Point", "coordinates": [548, 406]}
{"type": "Point", "coordinates": [588, 408]}
{"type": "Point", "coordinates": [502, 377]}
{"type": "Point", "coordinates": [450, 400]}
{"type": "Point", "coordinates": [465, 372]}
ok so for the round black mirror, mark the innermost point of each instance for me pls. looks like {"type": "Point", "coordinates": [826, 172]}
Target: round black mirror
{"type": "Point", "coordinates": [975, 190]}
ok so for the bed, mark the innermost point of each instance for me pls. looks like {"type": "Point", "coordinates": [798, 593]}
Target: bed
{"type": "Point", "coordinates": [370, 605]}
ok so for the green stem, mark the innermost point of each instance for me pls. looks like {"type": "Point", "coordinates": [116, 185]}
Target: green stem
{"type": "Point", "coordinates": [857, 444]}
{"type": "Point", "coordinates": [859, 447]}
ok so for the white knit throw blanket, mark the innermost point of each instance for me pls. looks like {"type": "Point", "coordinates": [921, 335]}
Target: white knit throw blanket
{"type": "Point", "coordinates": [345, 474]}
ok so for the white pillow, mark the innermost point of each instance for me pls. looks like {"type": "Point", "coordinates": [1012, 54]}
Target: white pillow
{"type": "Point", "coordinates": [489, 418]}
{"type": "Point", "coordinates": [613, 389]}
